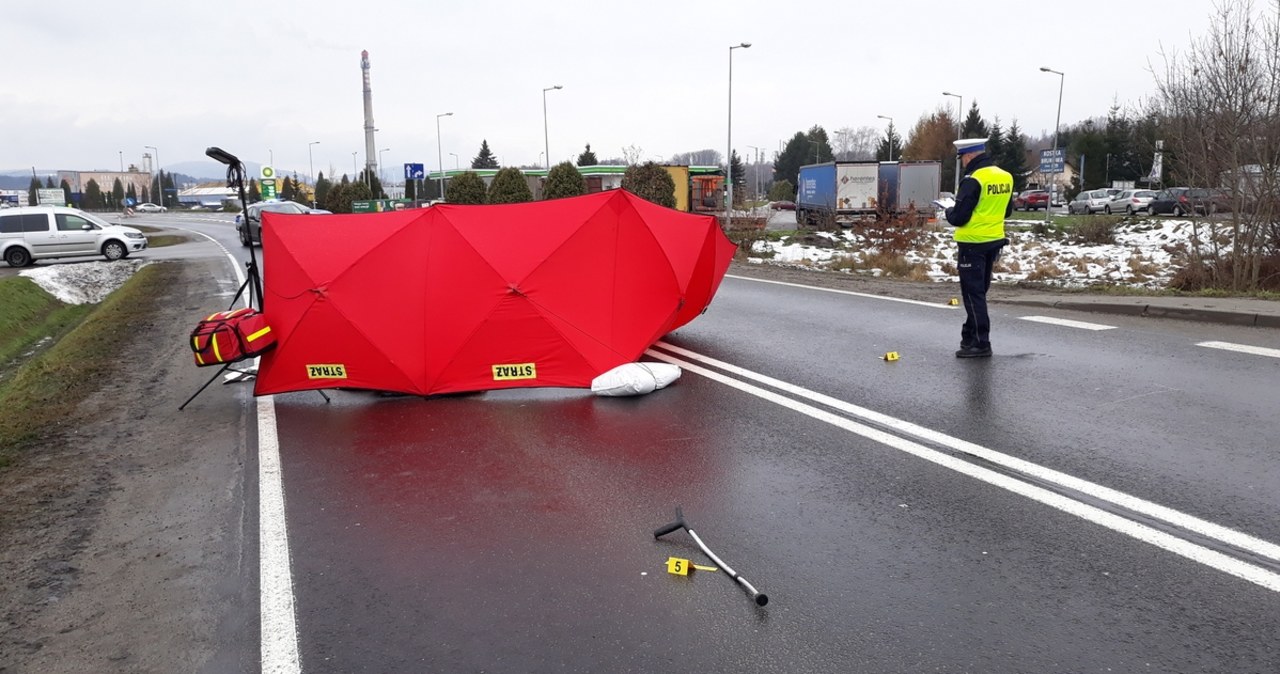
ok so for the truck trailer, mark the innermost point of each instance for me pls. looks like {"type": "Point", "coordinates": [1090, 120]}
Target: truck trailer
{"type": "Point", "coordinates": [845, 192]}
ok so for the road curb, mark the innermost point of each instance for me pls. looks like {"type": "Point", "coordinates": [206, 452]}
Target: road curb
{"type": "Point", "coordinates": [1244, 318]}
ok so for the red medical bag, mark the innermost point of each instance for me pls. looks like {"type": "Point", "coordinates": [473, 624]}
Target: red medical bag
{"type": "Point", "coordinates": [229, 336]}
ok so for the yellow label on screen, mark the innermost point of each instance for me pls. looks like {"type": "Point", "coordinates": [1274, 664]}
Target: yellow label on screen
{"type": "Point", "coordinates": [515, 371]}
{"type": "Point", "coordinates": [327, 371]}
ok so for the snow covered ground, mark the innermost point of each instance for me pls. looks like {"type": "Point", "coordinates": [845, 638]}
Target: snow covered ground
{"type": "Point", "coordinates": [1142, 255]}
{"type": "Point", "coordinates": [83, 282]}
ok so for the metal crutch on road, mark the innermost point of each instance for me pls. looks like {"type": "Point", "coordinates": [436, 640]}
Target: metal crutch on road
{"type": "Point", "coordinates": [760, 598]}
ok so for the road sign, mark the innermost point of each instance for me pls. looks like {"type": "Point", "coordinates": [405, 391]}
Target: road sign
{"type": "Point", "coordinates": [54, 196]}
{"type": "Point", "coordinates": [268, 188]}
{"type": "Point", "coordinates": [414, 172]}
{"type": "Point", "coordinates": [1053, 161]}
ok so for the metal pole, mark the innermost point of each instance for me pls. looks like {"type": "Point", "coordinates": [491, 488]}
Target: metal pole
{"type": "Point", "coordinates": [440, 155]}
{"type": "Point", "coordinates": [728, 157]}
{"type": "Point", "coordinates": [1062, 78]}
{"type": "Point", "coordinates": [121, 161]}
{"type": "Point", "coordinates": [455, 160]}
{"type": "Point", "coordinates": [546, 139]}
{"type": "Point", "coordinates": [381, 178]}
{"type": "Point", "coordinates": [355, 174]}
{"type": "Point", "coordinates": [311, 166]}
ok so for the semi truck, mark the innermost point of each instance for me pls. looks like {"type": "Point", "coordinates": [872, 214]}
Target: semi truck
{"type": "Point", "coordinates": [847, 191]}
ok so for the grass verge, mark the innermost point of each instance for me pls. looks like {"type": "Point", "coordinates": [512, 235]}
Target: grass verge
{"type": "Point", "coordinates": [156, 240]}
{"type": "Point", "coordinates": [40, 397]}
{"type": "Point", "coordinates": [29, 315]}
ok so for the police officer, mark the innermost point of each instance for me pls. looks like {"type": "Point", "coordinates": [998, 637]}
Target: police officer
{"type": "Point", "coordinates": [983, 202]}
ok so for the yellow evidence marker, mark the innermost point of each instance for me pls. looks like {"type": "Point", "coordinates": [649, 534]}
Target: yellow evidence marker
{"type": "Point", "coordinates": [892, 355]}
{"type": "Point", "coordinates": [953, 302]}
{"type": "Point", "coordinates": [682, 567]}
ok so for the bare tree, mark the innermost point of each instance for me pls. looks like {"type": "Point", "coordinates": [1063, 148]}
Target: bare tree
{"type": "Point", "coordinates": [706, 157]}
{"type": "Point", "coordinates": [632, 154]}
{"type": "Point", "coordinates": [1218, 105]}
{"type": "Point", "coordinates": [856, 144]}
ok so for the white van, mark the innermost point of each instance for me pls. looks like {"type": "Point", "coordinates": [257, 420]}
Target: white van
{"type": "Point", "coordinates": [33, 233]}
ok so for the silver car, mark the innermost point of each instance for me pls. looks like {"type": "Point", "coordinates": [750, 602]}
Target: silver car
{"type": "Point", "coordinates": [1130, 202]}
{"type": "Point", "coordinates": [35, 233]}
{"type": "Point", "coordinates": [1089, 202]}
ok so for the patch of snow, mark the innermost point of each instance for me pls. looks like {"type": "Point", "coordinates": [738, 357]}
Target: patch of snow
{"type": "Point", "coordinates": [1140, 256]}
{"type": "Point", "coordinates": [83, 282]}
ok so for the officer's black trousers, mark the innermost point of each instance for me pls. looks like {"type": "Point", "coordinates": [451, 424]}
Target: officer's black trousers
{"type": "Point", "coordinates": [976, 263]}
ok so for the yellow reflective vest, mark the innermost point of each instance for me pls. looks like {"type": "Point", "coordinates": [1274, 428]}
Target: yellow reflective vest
{"type": "Point", "coordinates": [995, 188]}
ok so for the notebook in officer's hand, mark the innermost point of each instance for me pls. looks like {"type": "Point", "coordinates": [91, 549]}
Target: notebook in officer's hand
{"type": "Point", "coordinates": [945, 202]}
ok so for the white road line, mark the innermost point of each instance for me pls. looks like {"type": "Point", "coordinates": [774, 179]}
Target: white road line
{"type": "Point", "coordinates": [1242, 348]}
{"type": "Point", "coordinates": [1177, 518]}
{"type": "Point", "coordinates": [934, 305]}
{"type": "Point", "coordinates": [279, 626]}
{"type": "Point", "coordinates": [279, 631]}
{"type": "Point", "coordinates": [1068, 323]}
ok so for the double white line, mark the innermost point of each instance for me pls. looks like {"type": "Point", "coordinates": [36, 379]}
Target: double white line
{"type": "Point", "coordinates": [1195, 552]}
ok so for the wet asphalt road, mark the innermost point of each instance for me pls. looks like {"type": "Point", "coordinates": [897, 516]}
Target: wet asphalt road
{"type": "Point", "coordinates": [512, 531]}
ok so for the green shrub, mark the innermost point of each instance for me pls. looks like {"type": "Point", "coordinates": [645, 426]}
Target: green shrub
{"type": "Point", "coordinates": [564, 180]}
{"type": "Point", "coordinates": [467, 188]}
{"type": "Point", "coordinates": [651, 183]}
{"type": "Point", "coordinates": [509, 187]}
{"type": "Point", "coordinates": [1096, 230]}
{"type": "Point", "coordinates": [782, 190]}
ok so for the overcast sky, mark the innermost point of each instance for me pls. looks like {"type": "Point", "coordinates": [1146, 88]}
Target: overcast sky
{"type": "Point", "coordinates": [87, 80]}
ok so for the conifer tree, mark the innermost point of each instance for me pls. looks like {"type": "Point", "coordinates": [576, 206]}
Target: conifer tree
{"type": "Point", "coordinates": [1013, 156]}
{"type": "Point", "coordinates": [485, 159]}
{"type": "Point", "coordinates": [974, 126]}
{"type": "Point", "coordinates": [588, 158]}
{"type": "Point", "coordinates": [739, 174]}
{"type": "Point", "coordinates": [254, 194]}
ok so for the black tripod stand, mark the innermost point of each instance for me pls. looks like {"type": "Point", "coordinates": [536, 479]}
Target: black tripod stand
{"type": "Point", "coordinates": [253, 280]}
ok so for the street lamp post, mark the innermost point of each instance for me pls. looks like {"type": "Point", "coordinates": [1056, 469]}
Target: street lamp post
{"type": "Point", "coordinates": [889, 136]}
{"type": "Point", "coordinates": [455, 160]}
{"type": "Point", "coordinates": [355, 175]}
{"type": "Point", "coordinates": [272, 154]}
{"type": "Point", "coordinates": [381, 177]}
{"type": "Point", "coordinates": [121, 160]}
{"type": "Point", "coordinates": [546, 138]}
{"type": "Point", "coordinates": [159, 177]}
{"type": "Point", "coordinates": [1062, 78]}
{"type": "Point", "coordinates": [311, 166]}
{"type": "Point", "coordinates": [440, 155]}
{"type": "Point", "coordinates": [728, 155]}
{"type": "Point", "coordinates": [959, 128]}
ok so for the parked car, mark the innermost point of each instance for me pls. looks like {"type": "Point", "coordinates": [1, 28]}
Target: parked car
{"type": "Point", "coordinates": [31, 233]}
{"type": "Point", "coordinates": [249, 225]}
{"type": "Point", "coordinates": [1207, 201]}
{"type": "Point", "coordinates": [1030, 200]}
{"type": "Point", "coordinates": [1129, 202]}
{"type": "Point", "coordinates": [1172, 200]}
{"type": "Point", "coordinates": [783, 205]}
{"type": "Point", "coordinates": [1089, 202]}
{"type": "Point", "coordinates": [149, 208]}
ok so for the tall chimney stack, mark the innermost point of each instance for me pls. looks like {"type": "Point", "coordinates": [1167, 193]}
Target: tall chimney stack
{"type": "Point", "coordinates": [370, 154]}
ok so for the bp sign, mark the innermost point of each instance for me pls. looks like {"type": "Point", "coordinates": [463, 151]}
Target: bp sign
{"type": "Point", "coordinates": [268, 188]}
{"type": "Point", "coordinates": [268, 173]}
